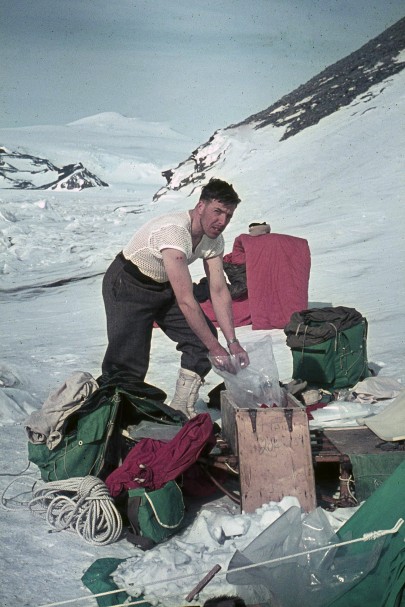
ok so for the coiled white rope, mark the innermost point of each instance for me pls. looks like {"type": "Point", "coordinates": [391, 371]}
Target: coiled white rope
{"type": "Point", "coordinates": [82, 505]}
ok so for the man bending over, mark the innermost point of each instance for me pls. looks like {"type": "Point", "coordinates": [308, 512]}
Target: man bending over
{"type": "Point", "coordinates": [149, 282]}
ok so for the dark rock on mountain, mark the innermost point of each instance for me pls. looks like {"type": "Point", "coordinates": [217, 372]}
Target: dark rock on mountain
{"type": "Point", "coordinates": [337, 86]}
{"type": "Point", "coordinates": [74, 177]}
{"type": "Point", "coordinates": [23, 171]}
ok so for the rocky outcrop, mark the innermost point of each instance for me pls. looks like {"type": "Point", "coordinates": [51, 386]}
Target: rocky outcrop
{"type": "Point", "coordinates": [24, 171]}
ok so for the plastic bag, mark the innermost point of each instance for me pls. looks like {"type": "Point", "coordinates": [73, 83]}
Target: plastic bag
{"type": "Point", "coordinates": [340, 413]}
{"type": "Point", "coordinates": [313, 579]}
{"type": "Point", "coordinates": [155, 430]}
{"type": "Point", "coordinates": [255, 385]}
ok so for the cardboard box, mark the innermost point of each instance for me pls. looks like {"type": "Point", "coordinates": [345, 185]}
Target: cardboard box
{"type": "Point", "coordinates": [274, 452]}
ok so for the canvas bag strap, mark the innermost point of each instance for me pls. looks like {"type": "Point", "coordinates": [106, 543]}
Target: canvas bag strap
{"type": "Point", "coordinates": [135, 536]}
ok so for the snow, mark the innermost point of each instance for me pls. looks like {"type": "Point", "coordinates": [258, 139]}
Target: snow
{"type": "Point", "coordinates": [339, 184]}
{"type": "Point", "coordinates": [213, 537]}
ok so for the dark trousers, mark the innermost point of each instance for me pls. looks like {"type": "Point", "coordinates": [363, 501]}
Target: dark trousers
{"type": "Point", "coordinates": [133, 302]}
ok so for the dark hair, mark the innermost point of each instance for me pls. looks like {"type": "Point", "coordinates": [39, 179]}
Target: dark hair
{"type": "Point", "coordinates": [225, 601]}
{"type": "Point", "coordinates": [216, 189]}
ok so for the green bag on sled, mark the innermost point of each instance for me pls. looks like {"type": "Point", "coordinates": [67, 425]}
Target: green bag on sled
{"type": "Point", "coordinates": [329, 347]}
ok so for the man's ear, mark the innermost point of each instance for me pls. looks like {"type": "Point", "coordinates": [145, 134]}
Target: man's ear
{"type": "Point", "coordinates": [200, 206]}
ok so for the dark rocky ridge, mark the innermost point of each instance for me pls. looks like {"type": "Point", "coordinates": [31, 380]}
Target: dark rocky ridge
{"type": "Point", "coordinates": [26, 172]}
{"type": "Point", "coordinates": [335, 87]}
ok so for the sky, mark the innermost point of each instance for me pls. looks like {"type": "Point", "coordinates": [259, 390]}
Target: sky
{"type": "Point", "coordinates": [198, 66]}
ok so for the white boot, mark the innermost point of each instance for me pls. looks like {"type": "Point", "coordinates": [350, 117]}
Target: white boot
{"type": "Point", "coordinates": [186, 394]}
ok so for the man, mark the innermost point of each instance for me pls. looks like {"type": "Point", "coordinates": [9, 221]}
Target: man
{"type": "Point", "coordinates": [150, 282]}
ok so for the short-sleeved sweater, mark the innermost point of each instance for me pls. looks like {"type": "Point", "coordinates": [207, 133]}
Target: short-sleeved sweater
{"type": "Point", "coordinates": [171, 231]}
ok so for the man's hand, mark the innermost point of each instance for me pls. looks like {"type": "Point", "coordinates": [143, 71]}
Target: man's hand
{"type": "Point", "coordinates": [240, 354]}
{"type": "Point", "coordinates": [222, 360]}
{"type": "Point", "coordinates": [231, 362]}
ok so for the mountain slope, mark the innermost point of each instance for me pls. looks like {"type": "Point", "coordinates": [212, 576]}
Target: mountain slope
{"type": "Point", "coordinates": [338, 85]}
{"type": "Point", "coordinates": [356, 79]}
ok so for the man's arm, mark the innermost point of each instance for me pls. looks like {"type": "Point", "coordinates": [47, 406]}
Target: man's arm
{"type": "Point", "coordinates": [222, 304]}
{"type": "Point", "coordinates": [179, 276]}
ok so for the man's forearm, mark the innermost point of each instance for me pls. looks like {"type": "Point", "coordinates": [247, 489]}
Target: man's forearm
{"type": "Point", "coordinates": [222, 304]}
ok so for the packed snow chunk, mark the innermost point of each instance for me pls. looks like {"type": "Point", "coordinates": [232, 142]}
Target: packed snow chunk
{"type": "Point", "coordinates": [229, 527]}
{"type": "Point", "coordinates": [201, 531]}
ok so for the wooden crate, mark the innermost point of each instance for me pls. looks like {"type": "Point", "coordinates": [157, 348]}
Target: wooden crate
{"type": "Point", "coordinates": [274, 452]}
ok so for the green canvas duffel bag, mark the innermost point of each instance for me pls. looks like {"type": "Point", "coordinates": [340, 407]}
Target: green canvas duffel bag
{"type": "Point", "coordinates": [329, 347]}
{"type": "Point", "coordinates": [92, 442]}
{"type": "Point", "coordinates": [83, 448]}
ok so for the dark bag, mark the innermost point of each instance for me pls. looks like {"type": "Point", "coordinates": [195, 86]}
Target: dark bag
{"type": "Point", "coordinates": [92, 441]}
{"type": "Point", "coordinates": [236, 274]}
{"type": "Point", "coordinates": [329, 346]}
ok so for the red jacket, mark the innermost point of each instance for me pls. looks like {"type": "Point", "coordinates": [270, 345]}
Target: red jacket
{"type": "Point", "coordinates": [151, 463]}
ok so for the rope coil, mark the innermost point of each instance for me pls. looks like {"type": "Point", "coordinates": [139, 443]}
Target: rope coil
{"type": "Point", "coordinates": [82, 505]}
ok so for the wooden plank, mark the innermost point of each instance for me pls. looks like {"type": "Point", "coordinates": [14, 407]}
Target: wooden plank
{"type": "Point", "coordinates": [356, 441]}
{"type": "Point", "coordinates": [228, 423]}
{"type": "Point", "coordinates": [275, 458]}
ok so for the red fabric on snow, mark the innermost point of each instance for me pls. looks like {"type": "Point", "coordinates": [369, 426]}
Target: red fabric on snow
{"type": "Point", "coordinates": [152, 463]}
{"type": "Point", "coordinates": [277, 272]}
{"type": "Point", "coordinates": [240, 309]}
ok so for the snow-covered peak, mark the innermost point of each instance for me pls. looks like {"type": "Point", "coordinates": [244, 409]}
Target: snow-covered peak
{"type": "Point", "coordinates": [102, 119]}
{"type": "Point", "coordinates": [116, 122]}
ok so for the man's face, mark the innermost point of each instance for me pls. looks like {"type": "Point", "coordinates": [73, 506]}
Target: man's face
{"type": "Point", "coordinates": [214, 216]}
